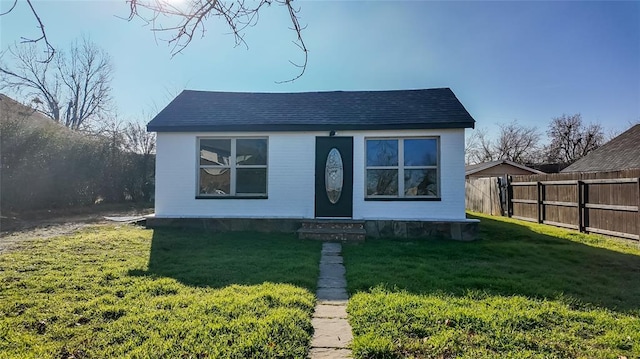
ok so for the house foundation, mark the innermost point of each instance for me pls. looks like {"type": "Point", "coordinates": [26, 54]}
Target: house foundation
{"type": "Point", "coordinates": [461, 230]}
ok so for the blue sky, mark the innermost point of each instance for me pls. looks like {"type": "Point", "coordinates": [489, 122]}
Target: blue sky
{"type": "Point", "coordinates": [511, 60]}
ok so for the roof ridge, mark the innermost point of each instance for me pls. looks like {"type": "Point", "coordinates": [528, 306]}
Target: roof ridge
{"type": "Point", "coordinates": [317, 92]}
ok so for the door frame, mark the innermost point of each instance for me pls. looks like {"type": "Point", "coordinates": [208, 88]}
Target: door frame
{"type": "Point", "coordinates": [343, 208]}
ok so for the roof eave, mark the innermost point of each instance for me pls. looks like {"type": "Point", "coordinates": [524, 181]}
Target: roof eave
{"type": "Point", "coordinates": [307, 127]}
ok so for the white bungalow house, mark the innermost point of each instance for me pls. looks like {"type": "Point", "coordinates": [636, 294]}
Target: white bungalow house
{"type": "Point", "coordinates": [393, 160]}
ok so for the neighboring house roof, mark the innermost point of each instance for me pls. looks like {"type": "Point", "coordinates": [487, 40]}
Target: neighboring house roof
{"type": "Point", "coordinates": [479, 167]}
{"type": "Point", "coordinates": [621, 153]}
{"type": "Point", "coordinates": [11, 107]}
{"type": "Point", "coordinates": [304, 111]}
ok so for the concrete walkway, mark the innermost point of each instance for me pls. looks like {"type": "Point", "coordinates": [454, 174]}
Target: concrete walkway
{"type": "Point", "coordinates": [332, 332]}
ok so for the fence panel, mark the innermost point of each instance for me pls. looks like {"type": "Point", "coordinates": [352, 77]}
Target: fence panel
{"type": "Point", "coordinates": [600, 202]}
{"type": "Point", "coordinates": [483, 195]}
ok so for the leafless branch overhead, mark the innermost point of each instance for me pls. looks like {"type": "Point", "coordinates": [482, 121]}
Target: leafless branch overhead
{"type": "Point", "coordinates": [50, 50]}
{"type": "Point", "coordinates": [188, 20]}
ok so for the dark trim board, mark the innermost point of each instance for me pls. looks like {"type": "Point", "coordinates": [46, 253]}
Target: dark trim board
{"type": "Point", "coordinates": [232, 197]}
{"type": "Point", "coordinates": [463, 230]}
{"type": "Point", "coordinates": [403, 199]}
{"type": "Point", "coordinates": [306, 127]}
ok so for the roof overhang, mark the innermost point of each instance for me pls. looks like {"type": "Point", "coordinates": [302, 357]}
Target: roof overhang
{"type": "Point", "coordinates": [307, 127]}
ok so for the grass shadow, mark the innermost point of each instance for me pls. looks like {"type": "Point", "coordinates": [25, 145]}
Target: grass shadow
{"type": "Point", "coordinates": [512, 258]}
{"type": "Point", "coordinates": [206, 259]}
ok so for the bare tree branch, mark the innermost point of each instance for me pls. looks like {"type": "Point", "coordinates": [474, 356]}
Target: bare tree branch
{"type": "Point", "coordinates": [75, 88]}
{"type": "Point", "coordinates": [478, 148]}
{"type": "Point", "coordinates": [15, 2]}
{"type": "Point", "coordinates": [293, 13]}
{"type": "Point", "coordinates": [50, 49]}
{"type": "Point", "coordinates": [515, 143]}
{"type": "Point", "coordinates": [571, 140]}
{"type": "Point", "coordinates": [189, 21]}
{"type": "Point", "coordinates": [138, 140]}
{"type": "Point", "coordinates": [32, 76]}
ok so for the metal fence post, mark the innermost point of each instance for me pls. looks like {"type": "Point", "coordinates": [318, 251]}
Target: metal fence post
{"type": "Point", "coordinates": [580, 194]}
{"type": "Point", "coordinates": [540, 204]}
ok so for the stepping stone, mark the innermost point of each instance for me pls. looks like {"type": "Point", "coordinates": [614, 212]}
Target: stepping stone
{"type": "Point", "coordinates": [329, 353]}
{"type": "Point", "coordinates": [335, 302]}
{"type": "Point", "coordinates": [331, 248]}
{"type": "Point", "coordinates": [331, 333]}
{"type": "Point", "coordinates": [332, 270]}
{"type": "Point", "coordinates": [331, 260]}
{"type": "Point", "coordinates": [332, 294]}
{"type": "Point", "coordinates": [330, 311]}
{"type": "Point", "coordinates": [332, 282]}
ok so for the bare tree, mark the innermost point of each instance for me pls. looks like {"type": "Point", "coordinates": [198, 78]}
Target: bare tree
{"type": "Point", "coordinates": [479, 148]}
{"type": "Point", "coordinates": [571, 139]}
{"type": "Point", "coordinates": [187, 20]}
{"type": "Point", "coordinates": [73, 89]}
{"type": "Point", "coordinates": [514, 143]}
{"type": "Point", "coordinates": [138, 140]}
{"type": "Point", "coordinates": [517, 143]}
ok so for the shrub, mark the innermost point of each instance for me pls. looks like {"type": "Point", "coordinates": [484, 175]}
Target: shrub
{"type": "Point", "coordinates": [45, 166]}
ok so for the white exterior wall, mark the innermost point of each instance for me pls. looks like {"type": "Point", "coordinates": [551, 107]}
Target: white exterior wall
{"type": "Point", "coordinates": [291, 184]}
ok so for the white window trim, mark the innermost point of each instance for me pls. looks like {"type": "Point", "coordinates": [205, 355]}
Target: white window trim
{"type": "Point", "coordinates": [233, 166]}
{"type": "Point", "coordinates": [401, 167]}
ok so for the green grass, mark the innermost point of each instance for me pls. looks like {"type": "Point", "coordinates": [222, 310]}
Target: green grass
{"type": "Point", "coordinates": [125, 292]}
{"type": "Point", "coordinates": [523, 291]}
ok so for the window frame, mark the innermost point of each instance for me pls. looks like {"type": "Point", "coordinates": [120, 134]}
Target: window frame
{"type": "Point", "coordinates": [233, 169]}
{"type": "Point", "coordinates": [400, 168]}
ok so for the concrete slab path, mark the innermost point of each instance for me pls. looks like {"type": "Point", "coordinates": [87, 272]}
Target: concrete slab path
{"type": "Point", "coordinates": [332, 332]}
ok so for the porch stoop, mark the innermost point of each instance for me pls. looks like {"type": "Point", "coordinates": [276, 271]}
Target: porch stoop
{"type": "Point", "coordinates": [332, 230]}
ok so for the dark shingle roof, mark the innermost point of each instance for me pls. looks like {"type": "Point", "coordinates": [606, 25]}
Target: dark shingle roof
{"type": "Point", "coordinates": [337, 110]}
{"type": "Point", "coordinates": [621, 153]}
{"type": "Point", "coordinates": [12, 108]}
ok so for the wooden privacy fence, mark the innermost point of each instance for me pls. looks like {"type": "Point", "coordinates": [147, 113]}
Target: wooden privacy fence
{"type": "Point", "coordinates": [604, 202]}
{"type": "Point", "coordinates": [483, 195]}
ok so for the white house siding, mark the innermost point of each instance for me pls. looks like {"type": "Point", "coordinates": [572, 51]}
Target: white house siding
{"type": "Point", "coordinates": [291, 183]}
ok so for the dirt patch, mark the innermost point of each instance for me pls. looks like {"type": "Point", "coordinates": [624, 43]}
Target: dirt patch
{"type": "Point", "coordinates": [17, 228]}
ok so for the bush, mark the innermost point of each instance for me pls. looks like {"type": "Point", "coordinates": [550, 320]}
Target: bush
{"type": "Point", "coordinates": [46, 166]}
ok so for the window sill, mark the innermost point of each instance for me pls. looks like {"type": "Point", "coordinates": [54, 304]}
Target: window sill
{"type": "Point", "coordinates": [404, 199]}
{"type": "Point", "coordinates": [232, 197]}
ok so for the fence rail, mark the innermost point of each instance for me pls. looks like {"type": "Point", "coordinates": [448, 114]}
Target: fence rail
{"type": "Point", "coordinates": [604, 202]}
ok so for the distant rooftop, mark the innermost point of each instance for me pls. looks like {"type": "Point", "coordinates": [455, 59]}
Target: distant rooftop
{"type": "Point", "coordinates": [621, 153]}
{"type": "Point", "coordinates": [478, 167]}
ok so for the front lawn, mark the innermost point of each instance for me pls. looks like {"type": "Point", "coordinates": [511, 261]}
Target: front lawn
{"type": "Point", "coordinates": [125, 292]}
{"type": "Point", "coordinates": [523, 291]}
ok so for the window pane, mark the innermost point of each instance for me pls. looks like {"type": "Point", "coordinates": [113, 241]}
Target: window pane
{"type": "Point", "coordinates": [421, 182]}
{"type": "Point", "coordinates": [215, 181]}
{"type": "Point", "coordinates": [251, 151]}
{"type": "Point", "coordinates": [421, 152]}
{"type": "Point", "coordinates": [215, 152]}
{"type": "Point", "coordinates": [382, 182]}
{"type": "Point", "coordinates": [251, 180]}
{"type": "Point", "coordinates": [382, 152]}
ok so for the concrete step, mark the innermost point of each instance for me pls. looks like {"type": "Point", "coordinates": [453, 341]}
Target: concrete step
{"type": "Point", "coordinates": [332, 223]}
{"type": "Point", "coordinates": [332, 234]}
